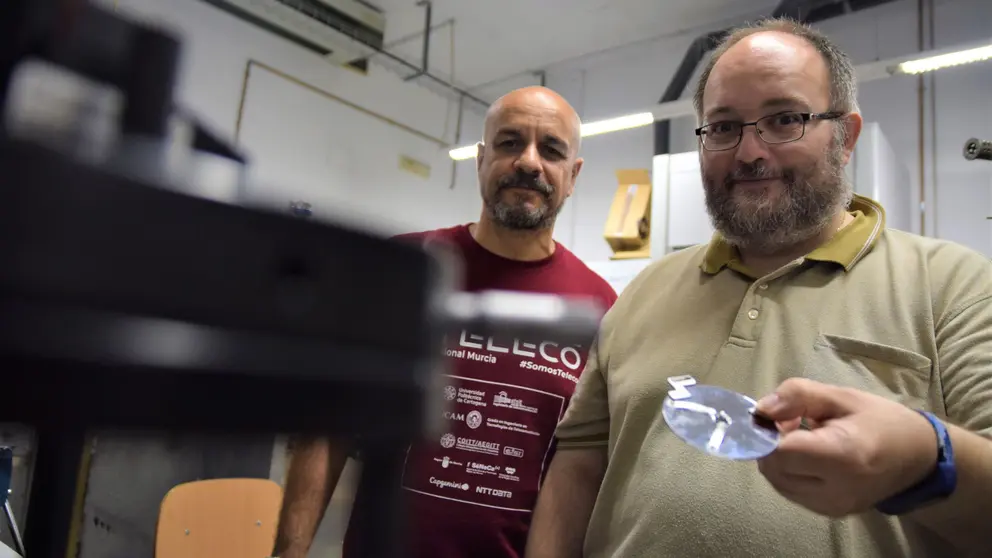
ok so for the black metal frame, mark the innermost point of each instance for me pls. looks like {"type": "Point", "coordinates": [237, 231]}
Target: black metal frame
{"type": "Point", "coordinates": [84, 338]}
{"type": "Point", "coordinates": [101, 270]}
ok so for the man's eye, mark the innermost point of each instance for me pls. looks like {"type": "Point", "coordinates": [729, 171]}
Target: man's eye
{"type": "Point", "coordinates": [787, 119]}
{"type": "Point", "coordinates": [722, 128]}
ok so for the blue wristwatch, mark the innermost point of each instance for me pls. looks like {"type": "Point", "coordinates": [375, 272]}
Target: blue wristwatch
{"type": "Point", "coordinates": [936, 486]}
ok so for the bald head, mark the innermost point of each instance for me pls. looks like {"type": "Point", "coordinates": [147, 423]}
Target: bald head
{"type": "Point", "coordinates": [529, 159]}
{"type": "Point", "coordinates": [535, 100]}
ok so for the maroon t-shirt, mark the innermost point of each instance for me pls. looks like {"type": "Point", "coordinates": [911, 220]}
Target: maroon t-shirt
{"type": "Point", "coordinates": [471, 492]}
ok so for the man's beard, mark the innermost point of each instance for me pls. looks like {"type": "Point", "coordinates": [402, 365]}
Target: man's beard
{"type": "Point", "coordinates": [517, 214]}
{"type": "Point", "coordinates": [767, 223]}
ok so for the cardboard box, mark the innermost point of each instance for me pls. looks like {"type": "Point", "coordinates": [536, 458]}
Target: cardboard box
{"type": "Point", "coordinates": [628, 225]}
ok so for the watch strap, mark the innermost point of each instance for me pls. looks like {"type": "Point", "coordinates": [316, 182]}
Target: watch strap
{"type": "Point", "coordinates": [939, 484]}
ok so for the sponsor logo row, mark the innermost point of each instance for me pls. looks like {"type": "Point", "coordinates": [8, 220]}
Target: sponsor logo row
{"type": "Point", "coordinates": [504, 472]}
{"type": "Point", "coordinates": [477, 398]}
{"type": "Point", "coordinates": [449, 441]}
{"type": "Point", "coordinates": [465, 487]}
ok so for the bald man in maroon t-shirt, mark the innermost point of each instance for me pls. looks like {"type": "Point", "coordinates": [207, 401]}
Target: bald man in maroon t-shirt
{"type": "Point", "coordinates": [470, 493]}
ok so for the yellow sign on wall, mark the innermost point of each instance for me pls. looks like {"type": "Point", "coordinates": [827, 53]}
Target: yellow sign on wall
{"type": "Point", "coordinates": [413, 166]}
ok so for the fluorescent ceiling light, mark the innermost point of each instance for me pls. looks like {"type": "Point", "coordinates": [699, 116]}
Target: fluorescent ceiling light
{"type": "Point", "coordinates": [462, 153]}
{"type": "Point", "coordinates": [617, 124]}
{"type": "Point", "coordinates": [588, 129]}
{"type": "Point", "coordinates": [957, 58]}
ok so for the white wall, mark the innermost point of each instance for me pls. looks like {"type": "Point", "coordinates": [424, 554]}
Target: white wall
{"type": "Point", "coordinates": [964, 189]}
{"type": "Point", "coordinates": [633, 77]}
{"type": "Point", "coordinates": [345, 162]}
{"type": "Point", "coordinates": [317, 132]}
{"type": "Point", "coordinates": [882, 175]}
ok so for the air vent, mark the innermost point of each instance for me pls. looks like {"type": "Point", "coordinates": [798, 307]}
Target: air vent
{"type": "Point", "coordinates": [345, 32]}
{"type": "Point", "coordinates": [328, 14]}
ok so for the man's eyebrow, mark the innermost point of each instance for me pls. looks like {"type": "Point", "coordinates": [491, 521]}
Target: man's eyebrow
{"type": "Point", "coordinates": [718, 111]}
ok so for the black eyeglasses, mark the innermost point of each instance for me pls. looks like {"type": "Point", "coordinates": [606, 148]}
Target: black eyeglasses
{"type": "Point", "coordinates": [783, 127]}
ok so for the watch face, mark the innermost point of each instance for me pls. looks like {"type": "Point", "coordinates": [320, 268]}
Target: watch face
{"type": "Point", "coordinates": [719, 422]}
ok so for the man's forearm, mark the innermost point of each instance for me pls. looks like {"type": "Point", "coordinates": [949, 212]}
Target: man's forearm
{"type": "Point", "coordinates": [565, 504]}
{"type": "Point", "coordinates": [963, 519]}
{"type": "Point", "coordinates": [313, 473]}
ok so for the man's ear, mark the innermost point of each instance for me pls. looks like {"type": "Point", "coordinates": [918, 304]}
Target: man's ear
{"type": "Point", "coordinates": [480, 149]}
{"type": "Point", "coordinates": [576, 169]}
{"type": "Point", "coordinates": [852, 130]}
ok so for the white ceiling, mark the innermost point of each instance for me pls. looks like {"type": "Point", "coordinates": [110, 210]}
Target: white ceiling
{"type": "Point", "coordinates": [498, 39]}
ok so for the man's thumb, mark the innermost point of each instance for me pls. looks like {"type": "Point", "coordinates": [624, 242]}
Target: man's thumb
{"type": "Point", "coordinates": [802, 398]}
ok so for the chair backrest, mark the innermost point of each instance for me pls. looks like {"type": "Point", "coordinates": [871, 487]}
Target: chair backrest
{"type": "Point", "coordinates": [221, 518]}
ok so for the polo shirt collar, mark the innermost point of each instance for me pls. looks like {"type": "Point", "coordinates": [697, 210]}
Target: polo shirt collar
{"type": "Point", "coordinates": [845, 248]}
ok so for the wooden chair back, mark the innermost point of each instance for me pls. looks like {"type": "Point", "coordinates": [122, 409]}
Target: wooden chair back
{"type": "Point", "coordinates": [220, 518]}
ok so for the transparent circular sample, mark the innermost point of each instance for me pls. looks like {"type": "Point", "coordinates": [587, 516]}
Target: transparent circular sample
{"type": "Point", "coordinates": [720, 422]}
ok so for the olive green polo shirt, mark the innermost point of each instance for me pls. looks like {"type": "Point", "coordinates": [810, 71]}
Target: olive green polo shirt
{"type": "Point", "coordinates": [899, 315]}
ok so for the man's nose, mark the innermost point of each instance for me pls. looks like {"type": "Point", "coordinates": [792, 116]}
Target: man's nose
{"type": "Point", "coordinates": [752, 147]}
{"type": "Point", "coordinates": [529, 161]}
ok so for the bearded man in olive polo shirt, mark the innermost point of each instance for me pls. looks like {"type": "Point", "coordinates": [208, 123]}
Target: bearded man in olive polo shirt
{"type": "Point", "coordinates": [881, 340]}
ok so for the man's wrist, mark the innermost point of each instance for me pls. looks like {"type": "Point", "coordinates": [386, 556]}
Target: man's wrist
{"type": "Point", "coordinates": [930, 444]}
{"type": "Point", "coordinates": [937, 482]}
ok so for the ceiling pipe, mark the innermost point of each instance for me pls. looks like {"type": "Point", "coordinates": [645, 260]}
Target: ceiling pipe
{"type": "Point", "coordinates": [425, 54]}
{"type": "Point", "coordinates": [400, 65]}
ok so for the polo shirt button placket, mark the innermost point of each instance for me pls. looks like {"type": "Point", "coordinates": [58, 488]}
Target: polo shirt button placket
{"type": "Point", "coordinates": [754, 313]}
